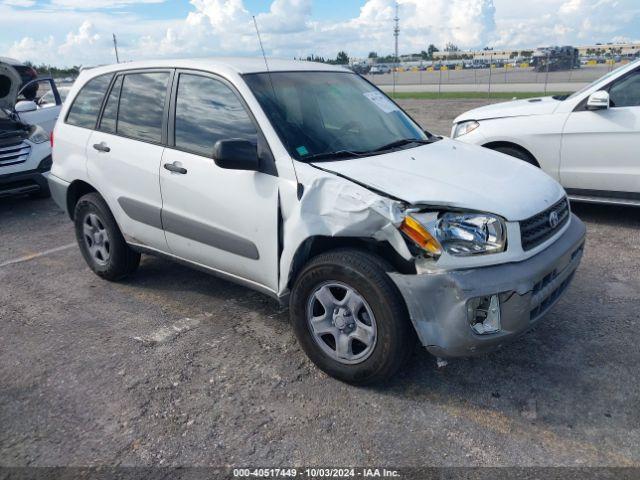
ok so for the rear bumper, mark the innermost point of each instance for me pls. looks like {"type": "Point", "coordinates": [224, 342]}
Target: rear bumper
{"type": "Point", "coordinates": [438, 302]}
{"type": "Point", "coordinates": [20, 183]}
{"type": "Point", "coordinates": [58, 189]}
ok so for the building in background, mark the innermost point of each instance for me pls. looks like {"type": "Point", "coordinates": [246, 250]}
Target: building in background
{"type": "Point", "coordinates": [585, 51]}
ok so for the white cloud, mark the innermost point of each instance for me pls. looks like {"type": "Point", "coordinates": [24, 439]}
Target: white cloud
{"type": "Point", "coordinates": [24, 48]}
{"type": "Point", "coordinates": [571, 7]}
{"type": "Point", "coordinates": [576, 22]}
{"type": "Point", "coordinates": [83, 39]}
{"type": "Point", "coordinates": [20, 3]}
{"type": "Point", "coordinates": [288, 28]}
{"type": "Point", "coordinates": [286, 16]}
{"type": "Point", "coordinates": [93, 4]}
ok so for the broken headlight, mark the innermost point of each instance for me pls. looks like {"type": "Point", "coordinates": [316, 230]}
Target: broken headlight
{"type": "Point", "coordinates": [463, 234]}
{"type": "Point", "coordinates": [458, 234]}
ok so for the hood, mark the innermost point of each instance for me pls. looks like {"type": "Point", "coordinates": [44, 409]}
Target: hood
{"type": "Point", "coordinates": [454, 174]}
{"type": "Point", "coordinates": [10, 83]}
{"type": "Point", "coordinates": [516, 108]}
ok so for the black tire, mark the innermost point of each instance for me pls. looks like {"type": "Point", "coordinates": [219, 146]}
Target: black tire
{"type": "Point", "coordinates": [517, 153]}
{"type": "Point", "coordinates": [122, 260]}
{"type": "Point", "coordinates": [366, 273]}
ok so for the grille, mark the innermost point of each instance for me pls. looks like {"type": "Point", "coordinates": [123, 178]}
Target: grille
{"type": "Point", "coordinates": [548, 290]}
{"type": "Point", "coordinates": [14, 153]}
{"type": "Point", "coordinates": [538, 229]}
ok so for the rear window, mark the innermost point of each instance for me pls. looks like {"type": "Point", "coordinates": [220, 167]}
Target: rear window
{"type": "Point", "coordinates": [86, 105]}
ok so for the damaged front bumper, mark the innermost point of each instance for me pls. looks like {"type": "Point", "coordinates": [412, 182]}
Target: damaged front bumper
{"type": "Point", "coordinates": [438, 303]}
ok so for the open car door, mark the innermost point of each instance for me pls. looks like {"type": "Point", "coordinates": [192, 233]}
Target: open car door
{"type": "Point", "coordinates": [39, 103]}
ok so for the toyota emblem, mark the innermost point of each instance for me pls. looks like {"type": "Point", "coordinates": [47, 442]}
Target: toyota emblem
{"type": "Point", "coordinates": [553, 219]}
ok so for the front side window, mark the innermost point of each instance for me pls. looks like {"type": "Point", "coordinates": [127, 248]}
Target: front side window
{"type": "Point", "coordinates": [626, 93]}
{"type": "Point", "coordinates": [86, 106]}
{"type": "Point", "coordinates": [324, 114]}
{"type": "Point", "coordinates": [207, 110]}
{"type": "Point", "coordinates": [142, 106]}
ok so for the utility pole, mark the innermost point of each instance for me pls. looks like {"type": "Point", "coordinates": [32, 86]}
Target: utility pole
{"type": "Point", "coordinates": [115, 47]}
{"type": "Point", "coordinates": [396, 34]}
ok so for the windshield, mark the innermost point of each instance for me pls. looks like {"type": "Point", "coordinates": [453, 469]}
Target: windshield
{"type": "Point", "coordinates": [332, 114]}
{"type": "Point", "coordinates": [604, 77]}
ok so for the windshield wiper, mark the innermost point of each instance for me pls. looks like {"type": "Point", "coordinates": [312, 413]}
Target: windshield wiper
{"type": "Point", "coordinates": [333, 155]}
{"type": "Point", "coordinates": [401, 143]}
{"type": "Point", "coordinates": [351, 154]}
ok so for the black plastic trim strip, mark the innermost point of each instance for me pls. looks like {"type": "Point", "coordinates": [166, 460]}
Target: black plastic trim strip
{"type": "Point", "coordinates": [214, 237]}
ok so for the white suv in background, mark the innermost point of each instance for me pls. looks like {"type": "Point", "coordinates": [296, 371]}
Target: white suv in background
{"type": "Point", "coordinates": [308, 184]}
{"type": "Point", "coordinates": [589, 141]}
{"type": "Point", "coordinates": [28, 112]}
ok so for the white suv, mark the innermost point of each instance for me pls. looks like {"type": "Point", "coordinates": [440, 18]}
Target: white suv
{"type": "Point", "coordinates": [307, 183]}
{"type": "Point", "coordinates": [28, 112]}
{"type": "Point", "coordinates": [589, 141]}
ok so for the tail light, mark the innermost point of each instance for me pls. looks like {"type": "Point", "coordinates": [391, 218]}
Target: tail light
{"type": "Point", "coordinates": [51, 138]}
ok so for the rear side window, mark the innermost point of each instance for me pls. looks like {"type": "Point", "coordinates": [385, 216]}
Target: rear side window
{"type": "Point", "coordinates": [86, 105]}
{"type": "Point", "coordinates": [207, 111]}
{"type": "Point", "coordinates": [110, 114]}
{"type": "Point", "coordinates": [142, 106]}
{"type": "Point", "coordinates": [626, 92]}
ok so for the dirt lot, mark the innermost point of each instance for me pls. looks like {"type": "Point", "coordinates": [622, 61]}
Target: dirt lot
{"type": "Point", "coordinates": [174, 367]}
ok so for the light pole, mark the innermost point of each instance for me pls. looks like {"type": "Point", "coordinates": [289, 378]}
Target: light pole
{"type": "Point", "coordinates": [396, 34]}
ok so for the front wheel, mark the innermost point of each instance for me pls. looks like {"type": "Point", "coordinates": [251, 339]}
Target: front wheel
{"type": "Point", "coordinates": [350, 318]}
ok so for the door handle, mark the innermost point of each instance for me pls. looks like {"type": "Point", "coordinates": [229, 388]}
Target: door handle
{"type": "Point", "coordinates": [172, 167]}
{"type": "Point", "coordinates": [101, 147]}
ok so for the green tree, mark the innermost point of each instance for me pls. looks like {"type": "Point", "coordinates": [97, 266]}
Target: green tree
{"type": "Point", "coordinates": [451, 47]}
{"type": "Point", "coordinates": [430, 51]}
{"type": "Point", "coordinates": [342, 58]}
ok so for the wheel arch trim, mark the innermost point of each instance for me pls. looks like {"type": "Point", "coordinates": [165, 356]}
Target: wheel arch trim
{"type": "Point", "coordinates": [506, 143]}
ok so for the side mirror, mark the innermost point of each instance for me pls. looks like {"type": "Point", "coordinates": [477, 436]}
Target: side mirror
{"type": "Point", "coordinates": [598, 101]}
{"type": "Point", "coordinates": [236, 154]}
{"type": "Point", "coordinates": [26, 106]}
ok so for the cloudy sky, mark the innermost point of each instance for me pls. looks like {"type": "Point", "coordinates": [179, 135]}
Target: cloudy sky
{"type": "Point", "coordinates": [74, 32]}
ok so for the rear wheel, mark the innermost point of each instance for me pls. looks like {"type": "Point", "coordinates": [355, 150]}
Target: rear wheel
{"type": "Point", "coordinates": [349, 317]}
{"type": "Point", "coordinates": [100, 240]}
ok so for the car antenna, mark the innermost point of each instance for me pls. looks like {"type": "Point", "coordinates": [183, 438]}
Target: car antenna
{"type": "Point", "coordinates": [275, 95]}
{"type": "Point", "coordinates": [264, 56]}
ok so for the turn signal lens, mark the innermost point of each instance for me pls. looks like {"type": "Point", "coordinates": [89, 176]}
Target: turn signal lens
{"type": "Point", "coordinates": [416, 232]}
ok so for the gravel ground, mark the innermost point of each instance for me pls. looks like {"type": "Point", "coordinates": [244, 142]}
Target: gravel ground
{"type": "Point", "coordinates": [437, 115]}
{"type": "Point", "coordinates": [174, 367]}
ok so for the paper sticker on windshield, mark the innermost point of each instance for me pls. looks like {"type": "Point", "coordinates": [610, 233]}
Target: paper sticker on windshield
{"type": "Point", "coordinates": [302, 151]}
{"type": "Point", "coordinates": [382, 102]}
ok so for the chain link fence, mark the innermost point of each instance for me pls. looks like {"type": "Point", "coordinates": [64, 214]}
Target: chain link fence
{"type": "Point", "coordinates": [498, 74]}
